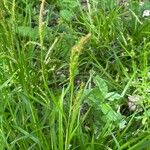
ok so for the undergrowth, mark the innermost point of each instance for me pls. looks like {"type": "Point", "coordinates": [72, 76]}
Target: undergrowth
{"type": "Point", "coordinates": [74, 75]}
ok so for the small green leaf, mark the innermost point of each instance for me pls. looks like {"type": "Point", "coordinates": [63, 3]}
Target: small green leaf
{"type": "Point", "coordinates": [100, 83]}
{"type": "Point", "coordinates": [71, 3]}
{"type": "Point", "coordinates": [94, 97]}
{"type": "Point", "coordinates": [113, 96]}
{"type": "Point", "coordinates": [146, 5]}
{"type": "Point", "coordinates": [122, 124]}
{"type": "Point", "coordinates": [109, 113]}
{"type": "Point", "coordinates": [66, 14]}
{"type": "Point", "coordinates": [26, 31]}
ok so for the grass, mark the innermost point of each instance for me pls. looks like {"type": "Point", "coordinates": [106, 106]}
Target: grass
{"type": "Point", "coordinates": [74, 75]}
